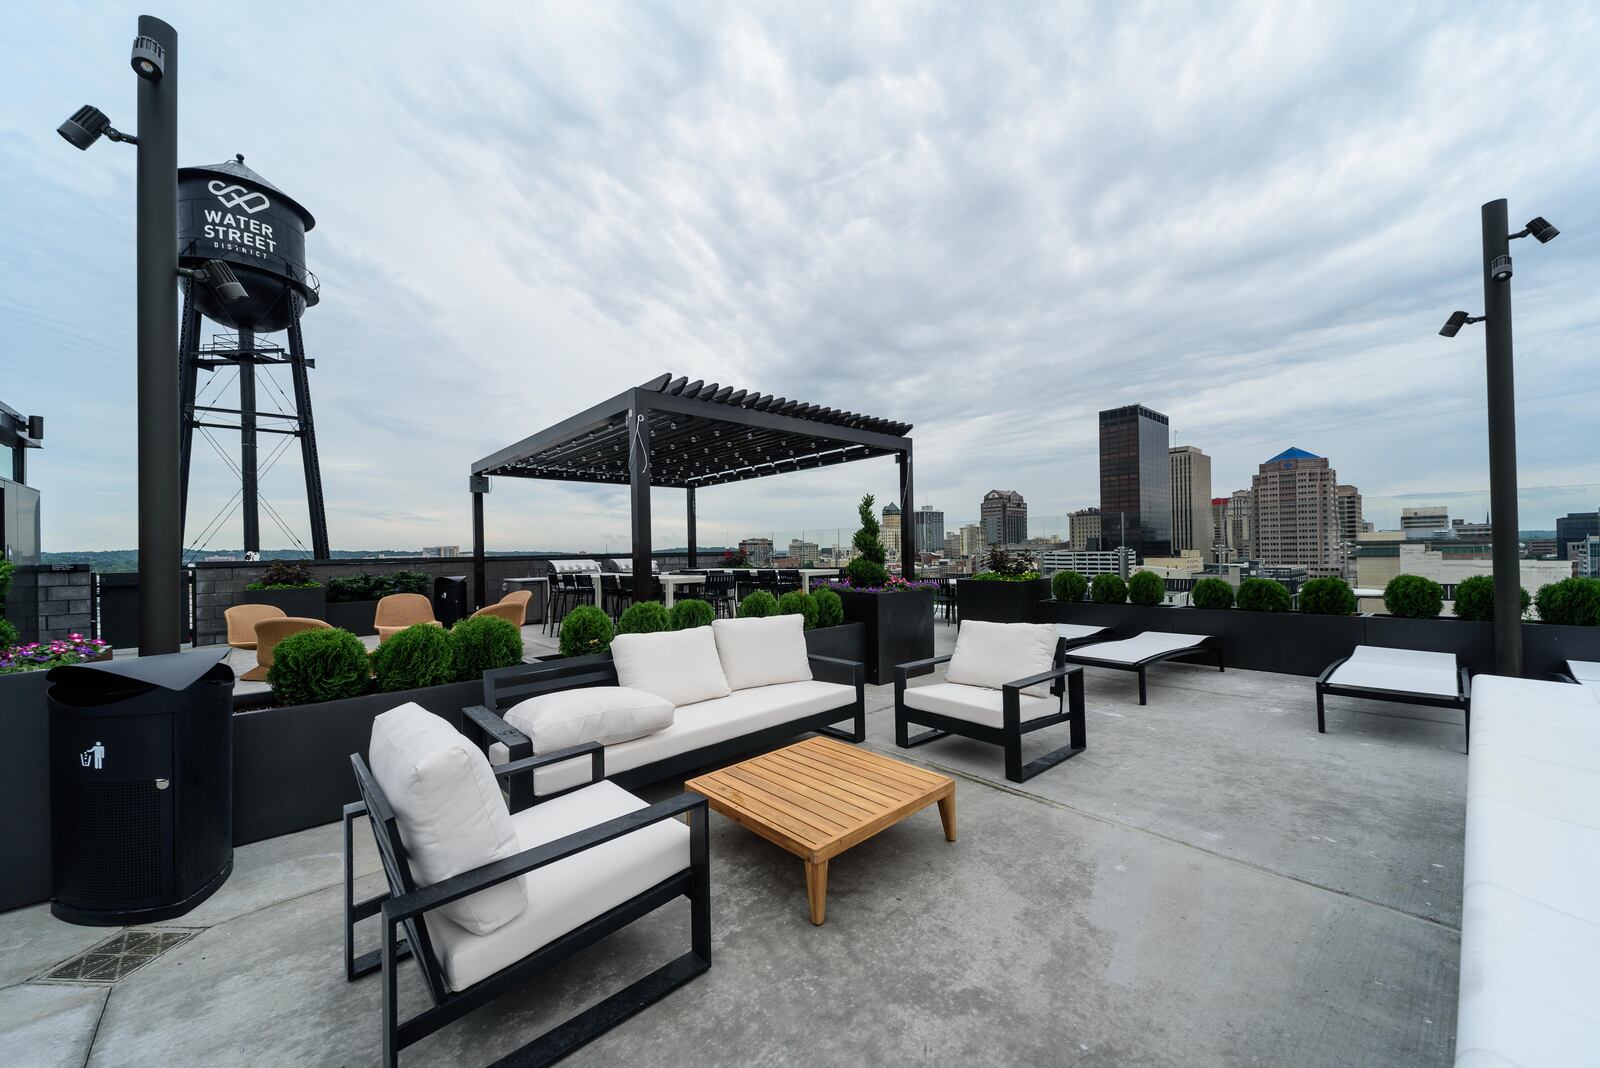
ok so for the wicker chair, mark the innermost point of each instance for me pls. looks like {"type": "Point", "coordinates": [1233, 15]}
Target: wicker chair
{"type": "Point", "coordinates": [520, 598]}
{"type": "Point", "coordinates": [271, 631]}
{"type": "Point", "coordinates": [398, 611]}
{"type": "Point", "coordinates": [242, 620]}
{"type": "Point", "coordinates": [510, 611]}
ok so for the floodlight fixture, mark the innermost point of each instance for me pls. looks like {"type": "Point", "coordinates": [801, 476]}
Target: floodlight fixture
{"type": "Point", "coordinates": [87, 124]}
{"type": "Point", "coordinates": [1458, 319]}
{"type": "Point", "coordinates": [219, 278]}
{"type": "Point", "coordinates": [1500, 268]}
{"type": "Point", "coordinates": [1540, 230]}
{"type": "Point", "coordinates": [149, 59]}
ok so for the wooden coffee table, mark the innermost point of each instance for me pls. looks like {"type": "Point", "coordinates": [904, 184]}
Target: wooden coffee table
{"type": "Point", "coordinates": [819, 797]}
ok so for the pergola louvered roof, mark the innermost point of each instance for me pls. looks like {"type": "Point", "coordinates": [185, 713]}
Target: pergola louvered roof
{"type": "Point", "coordinates": [698, 434]}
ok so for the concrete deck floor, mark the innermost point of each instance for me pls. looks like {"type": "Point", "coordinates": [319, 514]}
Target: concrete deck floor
{"type": "Point", "coordinates": [1212, 882]}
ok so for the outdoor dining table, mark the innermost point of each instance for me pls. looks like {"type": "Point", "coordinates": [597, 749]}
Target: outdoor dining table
{"type": "Point", "coordinates": [670, 584]}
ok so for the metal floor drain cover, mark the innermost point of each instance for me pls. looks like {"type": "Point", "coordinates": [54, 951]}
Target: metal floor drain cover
{"type": "Point", "coordinates": [118, 956]}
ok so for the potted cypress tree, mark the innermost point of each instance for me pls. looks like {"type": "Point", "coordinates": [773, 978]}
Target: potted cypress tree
{"type": "Point", "coordinates": [898, 612]}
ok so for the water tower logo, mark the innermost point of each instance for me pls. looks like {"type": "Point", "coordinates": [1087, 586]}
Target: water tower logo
{"type": "Point", "coordinates": [237, 196]}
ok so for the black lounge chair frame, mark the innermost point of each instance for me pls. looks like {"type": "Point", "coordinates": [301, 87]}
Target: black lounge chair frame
{"type": "Point", "coordinates": [1207, 648]}
{"type": "Point", "coordinates": [1462, 699]}
{"type": "Point", "coordinates": [403, 905]}
{"type": "Point", "coordinates": [1009, 735]}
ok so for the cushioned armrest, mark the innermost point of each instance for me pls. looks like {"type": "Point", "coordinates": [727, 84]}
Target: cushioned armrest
{"type": "Point", "coordinates": [1044, 676]}
{"type": "Point", "coordinates": [428, 898]}
{"type": "Point", "coordinates": [597, 766]}
{"type": "Point", "coordinates": [914, 668]}
{"type": "Point", "coordinates": [833, 669]}
{"type": "Point", "coordinates": [496, 727]}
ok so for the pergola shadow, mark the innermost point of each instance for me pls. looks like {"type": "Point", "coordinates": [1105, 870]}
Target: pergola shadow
{"type": "Point", "coordinates": [673, 432]}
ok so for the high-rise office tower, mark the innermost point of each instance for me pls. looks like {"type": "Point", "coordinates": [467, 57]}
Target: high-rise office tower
{"type": "Point", "coordinates": [1296, 519]}
{"type": "Point", "coordinates": [1242, 525]}
{"type": "Point", "coordinates": [1347, 500]}
{"type": "Point", "coordinates": [1083, 530]}
{"type": "Point", "coordinates": [1219, 522]}
{"type": "Point", "coordinates": [928, 528]}
{"type": "Point", "coordinates": [1425, 522]}
{"type": "Point", "coordinates": [889, 533]}
{"type": "Point", "coordinates": [1574, 526]}
{"type": "Point", "coordinates": [1191, 498]}
{"type": "Point", "coordinates": [1004, 515]}
{"type": "Point", "coordinates": [1135, 481]}
{"type": "Point", "coordinates": [758, 551]}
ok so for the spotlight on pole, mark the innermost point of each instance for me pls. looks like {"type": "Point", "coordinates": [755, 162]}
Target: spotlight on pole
{"type": "Point", "coordinates": [1500, 269]}
{"type": "Point", "coordinates": [1540, 230]}
{"type": "Point", "coordinates": [219, 278]}
{"type": "Point", "coordinates": [86, 126]}
{"type": "Point", "coordinates": [1452, 326]}
{"type": "Point", "coordinates": [149, 59]}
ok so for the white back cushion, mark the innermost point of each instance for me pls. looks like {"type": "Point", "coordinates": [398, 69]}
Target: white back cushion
{"type": "Point", "coordinates": [762, 652]}
{"type": "Point", "coordinates": [993, 654]}
{"type": "Point", "coordinates": [679, 665]}
{"type": "Point", "coordinates": [604, 714]}
{"type": "Point", "coordinates": [451, 814]}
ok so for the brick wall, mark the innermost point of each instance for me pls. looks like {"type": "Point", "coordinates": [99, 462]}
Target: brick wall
{"type": "Point", "coordinates": [48, 602]}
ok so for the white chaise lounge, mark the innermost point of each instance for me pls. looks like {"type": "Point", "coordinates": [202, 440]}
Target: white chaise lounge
{"type": "Point", "coordinates": [1140, 651]}
{"type": "Point", "coordinates": [1586, 673]}
{"type": "Point", "coordinates": [1072, 634]}
{"type": "Point", "coordinates": [1406, 676]}
{"type": "Point", "coordinates": [1530, 914]}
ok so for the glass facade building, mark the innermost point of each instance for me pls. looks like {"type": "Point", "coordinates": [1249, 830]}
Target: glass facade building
{"type": "Point", "coordinates": [1135, 481]}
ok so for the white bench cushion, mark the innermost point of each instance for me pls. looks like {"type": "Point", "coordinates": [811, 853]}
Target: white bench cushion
{"type": "Point", "coordinates": [568, 893]}
{"type": "Point", "coordinates": [604, 714]}
{"type": "Point", "coordinates": [1403, 670]}
{"type": "Point", "coordinates": [1530, 924]}
{"type": "Point", "coordinates": [1139, 647]}
{"type": "Point", "coordinates": [680, 665]}
{"type": "Point", "coordinates": [762, 651]}
{"type": "Point", "coordinates": [976, 704]}
{"type": "Point", "coordinates": [993, 654]}
{"type": "Point", "coordinates": [451, 815]}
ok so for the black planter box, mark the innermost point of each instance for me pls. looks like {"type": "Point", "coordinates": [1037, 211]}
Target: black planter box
{"type": "Point", "coordinates": [354, 616]}
{"type": "Point", "coordinates": [1001, 602]}
{"type": "Point", "coordinates": [305, 602]}
{"type": "Point", "coordinates": [899, 628]}
{"type": "Point", "coordinates": [847, 641]}
{"type": "Point", "coordinates": [1546, 647]}
{"type": "Point", "coordinates": [291, 766]}
{"type": "Point", "coordinates": [24, 790]}
{"type": "Point", "coordinates": [1472, 642]}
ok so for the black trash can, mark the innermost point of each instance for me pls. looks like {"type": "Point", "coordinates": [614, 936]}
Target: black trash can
{"type": "Point", "coordinates": [450, 598]}
{"type": "Point", "coordinates": [141, 786]}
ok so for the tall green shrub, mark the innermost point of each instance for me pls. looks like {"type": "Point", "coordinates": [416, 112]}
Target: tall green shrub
{"type": "Point", "coordinates": [1475, 599]}
{"type": "Point", "coordinates": [1574, 602]}
{"type": "Point", "coordinates": [482, 644]}
{"type": "Point", "coordinates": [645, 617]}
{"type": "Point", "coordinates": [1108, 589]}
{"type": "Point", "coordinates": [795, 603]}
{"type": "Point", "coordinates": [1146, 588]}
{"type": "Point", "coordinates": [758, 604]}
{"type": "Point", "coordinates": [1328, 597]}
{"type": "Point", "coordinates": [830, 608]}
{"type": "Point", "coordinates": [1263, 595]}
{"type": "Point", "coordinates": [415, 657]}
{"type": "Point", "coordinates": [319, 665]}
{"type": "Point", "coordinates": [8, 633]}
{"type": "Point", "coordinates": [1212, 593]}
{"type": "Point", "coordinates": [867, 569]}
{"type": "Point", "coordinates": [692, 612]}
{"type": "Point", "coordinates": [1068, 586]}
{"type": "Point", "coordinates": [585, 631]}
{"type": "Point", "coordinates": [1413, 597]}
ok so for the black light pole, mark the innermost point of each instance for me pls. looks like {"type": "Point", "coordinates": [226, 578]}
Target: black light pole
{"type": "Point", "coordinates": [160, 502]}
{"type": "Point", "coordinates": [1502, 440]}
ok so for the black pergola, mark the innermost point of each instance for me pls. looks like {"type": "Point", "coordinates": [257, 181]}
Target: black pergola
{"type": "Point", "coordinates": [673, 432]}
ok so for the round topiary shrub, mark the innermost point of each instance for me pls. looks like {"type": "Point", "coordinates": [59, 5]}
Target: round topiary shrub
{"type": "Point", "coordinates": [482, 644]}
{"type": "Point", "coordinates": [795, 603]}
{"type": "Point", "coordinates": [830, 608]}
{"type": "Point", "coordinates": [1574, 602]}
{"type": "Point", "coordinates": [1108, 589]}
{"type": "Point", "coordinates": [1146, 588]}
{"type": "Point", "coordinates": [415, 657]}
{"type": "Point", "coordinates": [645, 617]}
{"type": "Point", "coordinates": [1211, 593]}
{"type": "Point", "coordinates": [1475, 599]}
{"type": "Point", "coordinates": [319, 665]}
{"type": "Point", "coordinates": [691, 612]}
{"type": "Point", "coordinates": [1413, 597]}
{"type": "Point", "coordinates": [1263, 595]}
{"type": "Point", "coordinates": [758, 604]}
{"type": "Point", "coordinates": [585, 631]}
{"type": "Point", "coordinates": [1328, 597]}
{"type": "Point", "coordinates": [1068, 586]}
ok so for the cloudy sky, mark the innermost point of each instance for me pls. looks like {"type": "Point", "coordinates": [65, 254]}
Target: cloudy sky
{"type": "Point", "coordinates": [988, 220]}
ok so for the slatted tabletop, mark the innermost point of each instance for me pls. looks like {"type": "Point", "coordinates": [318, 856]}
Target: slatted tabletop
{"type": "Point", "coordinates": [818, 797]}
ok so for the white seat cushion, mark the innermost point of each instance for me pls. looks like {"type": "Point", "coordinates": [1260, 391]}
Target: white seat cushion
{"type": "Point", "coordinates": [570, 892]}
{"type": "Point", "coordinates": [1139, 647]}
{"type": "Point", "coordinates": [976, 704]}
{"type": "Point", "coordinates": [451, 815]}
{"type": "Point", "coordinates": [762, 652]}
{"type": "Point", "coordinates": [1584, 670]}
{"type": "Point", "coordinates": [993, 654]}
{"type": "Point", "coordinates": [680, 665]}
{"type": "Point", "coordinates": [1403, 670]}
{"type": "Point", "coordinates": [697, 726]}
{"type": "Point", "coordinates": [604, 714]}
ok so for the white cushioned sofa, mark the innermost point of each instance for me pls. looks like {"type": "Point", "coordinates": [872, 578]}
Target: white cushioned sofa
{"type": "Point", "coordinates": [735, 687]}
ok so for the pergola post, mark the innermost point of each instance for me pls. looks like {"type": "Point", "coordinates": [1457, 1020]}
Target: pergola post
{"type": "Point", "coordinates": [694, 547]}
{"type": "Point", "coordinates": [478, 485]}
{"type": "Point", "coordinates": [639, 495]}
{"type": "Point", "coordinates": [908, 532]}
